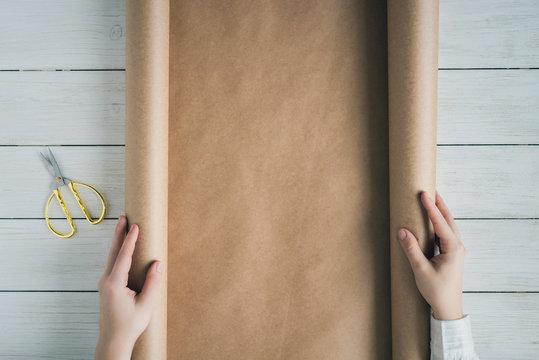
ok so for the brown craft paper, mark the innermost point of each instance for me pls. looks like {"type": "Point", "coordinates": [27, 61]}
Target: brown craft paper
{"type": "Point", "coordinates": [413, 80]}
{"type": "Point", "coordinates": [146, 156]}
{"type": "Point", "coordinates": [265, 134]}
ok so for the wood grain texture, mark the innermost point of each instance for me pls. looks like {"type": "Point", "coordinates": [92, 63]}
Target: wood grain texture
{"type": "Point", "coordinates": [489, 182]}
{"type": "Point", "coordinates": [501, 255]}
{"type": "Point", "coordinates": [501, 180]}
{"type": "Point", "coordinates": [65, 325]}
{"type": "Point", "coordinates": [26, 184]}
{"type": "Point", "coordinates": [62, 34]}
{"type": "Point", "coordinates": [83, 34]}
{"type": "Point", "coordinates": [88, 107]}
{"type": "Point", "coordinates": [488, 107]}
{"type": "Point", "coordinates": [504, 326]}
{"type": "Point", "coordinates": [489, 34]}
{"type": "Point", "coordinates": [62, 107]}
{"type": "Point", "coordinates": [49, 325]}
{"type": "Point", "coordinates": [35, 259]}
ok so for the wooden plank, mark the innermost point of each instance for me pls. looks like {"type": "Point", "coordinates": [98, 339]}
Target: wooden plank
{"type": "Point", "coordinates": [504, 326]}
{"type": "Point", "coordinates": [501, 180]}
{"type": "Point", "coordinates": [62, 34]}
{"type": "Point", "coordinates": [68, 107]}
{"type": "Point", "coordinates": [65, 325]}
{"type": "Point", "coordinates": [46, 262]}
{"type": "Point", "coordinates": [489, 181]}
{"type": "Point", "coordinates": [88, 107]}
{"type": "Point", "coordinates": [49, 325]}
{"type": "Point", "coordinates": [25, 184]}
{"type": "Point", "coordinates": [489, 34]}
{"type": "Point", "coordinates": [488, 107]}
{"type": "Point", "coordinates": [501, 255]}
{"type": "Point", "coordinates": [83, 34]}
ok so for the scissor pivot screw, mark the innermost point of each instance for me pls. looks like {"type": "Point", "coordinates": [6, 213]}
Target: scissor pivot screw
{"type": "Point", "coordinates": [58, 179]}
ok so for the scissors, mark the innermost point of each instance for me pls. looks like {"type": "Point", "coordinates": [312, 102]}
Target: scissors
{"type": "Point", "coordinates": [60, 180]}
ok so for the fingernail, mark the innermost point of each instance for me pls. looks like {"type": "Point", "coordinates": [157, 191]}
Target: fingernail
{"type": "Point", "coordinates": [131, 228]}
{"type": "Point", "coordinates": [159, 267]}
{"type": "Point", "coordinates": [402, 234]}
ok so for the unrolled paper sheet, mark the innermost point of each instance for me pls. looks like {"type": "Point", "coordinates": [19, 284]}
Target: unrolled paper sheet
{"type": "Point", "coordinates": [273, 149]}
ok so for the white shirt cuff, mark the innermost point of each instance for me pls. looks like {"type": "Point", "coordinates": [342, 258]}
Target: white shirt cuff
{"type": "Point", "coordinates": [451, 339]}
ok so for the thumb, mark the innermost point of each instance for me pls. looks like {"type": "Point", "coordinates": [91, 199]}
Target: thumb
{"type": "Point", "coordinates": [412, 250]}
{"type": "Point", "coordinates": [150, 290]}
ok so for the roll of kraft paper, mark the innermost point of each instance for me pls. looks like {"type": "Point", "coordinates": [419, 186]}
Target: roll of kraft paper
{"type": "Point", "coordinates": [413, 81]}
{"type": "Point", "coordinates": [282, 160]}
{"type": "Point", "coordinates": [146, 155]}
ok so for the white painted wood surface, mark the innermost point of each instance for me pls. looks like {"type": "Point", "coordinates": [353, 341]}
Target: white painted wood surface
{"type": "Point", "coordinates": [501, 255]}
{"type": "Point", "coordinates": [479, 107]}
{"type": "Point", "coordinates": [489, 181]}
{"type": "Point", "coordinates": [475, 107]}
{"type": "Point", "coordinates": [478, 182]}
{"type": "Point", "coordinates": [36, 259]}
{"type": "Point", "coordinates": [26, 184]}
{"type": "Point", "coordinates": [62, 34]}
{"type": "Point", "coordinates": [50, 325]}
{"type": "Point", "coordinates": [86, 34]}
{"type": "Point", "coordinates": [489, 34]}
{"type": "Point", "coordinates": [504, 326]}
{"type": "Point", "coordinates": [488, 107]}
{"type": "Point", "coordinates": [70, 107]}
{"type": "Point", "coordinates": [56, 325]}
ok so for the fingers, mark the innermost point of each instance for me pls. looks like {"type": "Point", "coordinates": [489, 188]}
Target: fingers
{"type": "Point", "coordinates": [440, 203]}
{"type": "Point", "coordinates": [413, 252]}
{"type": "Point", "coordinates": [117, 241]}
{"type": "Point", "coordinates": [122, 265]}
{"type": "Point", "coordinates": [150, 290]}
{"type": "Point", "coordinates": [436, 239]}
{"type": "Point", "coordinates": [441, 227]}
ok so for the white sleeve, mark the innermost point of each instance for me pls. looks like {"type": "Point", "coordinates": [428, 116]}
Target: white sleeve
{"type": "Point", "coordinates": [451, 339]}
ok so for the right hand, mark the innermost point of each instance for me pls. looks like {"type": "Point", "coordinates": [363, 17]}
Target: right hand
{"type": "Point", "coordinates": [439, 279]}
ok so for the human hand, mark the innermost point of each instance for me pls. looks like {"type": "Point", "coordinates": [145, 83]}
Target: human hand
{"type": "Point", "coordinates": [124, 314]}
{"type": "Point", "coordinates": [439, 279]}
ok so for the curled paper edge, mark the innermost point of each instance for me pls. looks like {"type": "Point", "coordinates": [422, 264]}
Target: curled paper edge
{"type": "Point", "coordinates": [146, 165]}
{"type": "Point", "coordinates": [412, 95]}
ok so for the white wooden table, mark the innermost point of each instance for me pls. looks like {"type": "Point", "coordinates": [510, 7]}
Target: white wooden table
{"type": "Point", "coordinates": [62, 85]}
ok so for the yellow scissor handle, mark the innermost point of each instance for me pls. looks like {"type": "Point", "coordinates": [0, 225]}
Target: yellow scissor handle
{"type": "Point", "coordinates": [56, 193]}
{"type": "Point", "coordinates": [73, 189]}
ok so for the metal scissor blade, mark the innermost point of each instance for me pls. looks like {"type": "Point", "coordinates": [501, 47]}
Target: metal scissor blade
{"type": "Point", "coordinates": [48, 164]}
{"type": "Point", "coordinates": [55, 164]}
{"type": "Point", "coordinates": [54, 169]}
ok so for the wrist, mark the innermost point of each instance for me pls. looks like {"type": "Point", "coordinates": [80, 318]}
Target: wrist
{"type": "Point", "coordinates": [112, 348]}
{"type": "Point", "coordinates": [446, 314]}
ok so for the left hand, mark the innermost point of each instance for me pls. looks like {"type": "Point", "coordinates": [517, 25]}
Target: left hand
{"type": "Point", "coordinates": [124, 314]}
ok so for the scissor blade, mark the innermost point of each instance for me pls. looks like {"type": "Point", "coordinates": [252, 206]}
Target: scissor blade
{"type": "Point", "coordinates": [54, 169]}
{"type": "Point", "coordinates": [48, 165]}
{"type": "Point", "coordinates": [55, 165]}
